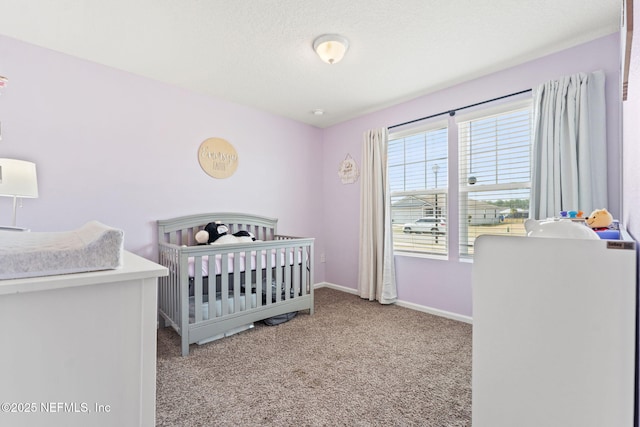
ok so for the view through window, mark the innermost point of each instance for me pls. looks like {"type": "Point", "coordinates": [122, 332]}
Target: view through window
{"type": "Point", "coordinates": [418, 177]}
{"type": "Point", "coordinates": [495, 174]}
{"type": "Point", "coordinates": [494, 167]}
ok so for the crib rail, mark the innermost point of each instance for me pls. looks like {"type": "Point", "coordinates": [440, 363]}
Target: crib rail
{"type": "Point", "coordinates": [182, 231]}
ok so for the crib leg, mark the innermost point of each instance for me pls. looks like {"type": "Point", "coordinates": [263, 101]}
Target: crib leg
{"type": "Point", "coordinates": [162, 322]}
{"type": "Point", "coordinates": [185, 344]}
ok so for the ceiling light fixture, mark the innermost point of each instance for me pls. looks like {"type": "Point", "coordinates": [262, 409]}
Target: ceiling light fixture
{"type": "Point", "coordinates": [331, 47]}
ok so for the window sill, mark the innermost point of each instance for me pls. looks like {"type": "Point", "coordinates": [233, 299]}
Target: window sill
{"type": "Point", "coordinates": [421, 255]}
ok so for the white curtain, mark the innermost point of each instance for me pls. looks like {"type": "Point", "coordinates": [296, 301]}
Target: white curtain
{"type": "Point", "coordinates": [376, 273]}
{"type": "Point", "coordinates": [569, 162]}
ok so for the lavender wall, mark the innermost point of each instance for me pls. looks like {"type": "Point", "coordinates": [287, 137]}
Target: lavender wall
{"type": "Point", "coordinates": [446, 285]}
{"type": "Point", "coordinates": [121, 149]}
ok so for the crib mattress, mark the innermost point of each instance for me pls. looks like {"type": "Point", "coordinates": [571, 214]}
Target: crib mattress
{"type": "Point", "coordinates": [92, 247]}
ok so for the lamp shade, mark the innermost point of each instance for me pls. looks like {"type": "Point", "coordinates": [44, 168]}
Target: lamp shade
{"type": "Point", "coordinates": [331, 47]}
{"type": "Point", "coordinates": [18, 178]}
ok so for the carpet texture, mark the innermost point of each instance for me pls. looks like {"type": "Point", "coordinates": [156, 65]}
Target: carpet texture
{"type": "Point", "coordinates": [353, 363]}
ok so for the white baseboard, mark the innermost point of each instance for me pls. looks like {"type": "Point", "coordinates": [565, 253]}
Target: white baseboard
{"type": "Point", "coordinates": [336, 287]}
{"type": "Point", "coordinates": [412, 306]}
{"type": "Point", "coordinates": [436, 312]}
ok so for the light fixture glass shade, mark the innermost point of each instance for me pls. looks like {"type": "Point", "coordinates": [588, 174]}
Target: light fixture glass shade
{"type": "Point", "coordinates": [331, 47]}
{"type": "Point", "coordinates": [18, 178]}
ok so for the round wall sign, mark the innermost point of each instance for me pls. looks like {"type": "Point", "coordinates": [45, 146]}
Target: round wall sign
{"type": "Point", "coordinates": [218, 158]}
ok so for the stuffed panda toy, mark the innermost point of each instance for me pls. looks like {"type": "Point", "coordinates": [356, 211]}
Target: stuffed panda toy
{"type": "Point", "coordinates": [218, 233]}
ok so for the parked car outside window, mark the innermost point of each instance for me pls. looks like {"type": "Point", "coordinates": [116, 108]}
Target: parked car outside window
{"type": "Point", "coordinates": [426, 225]}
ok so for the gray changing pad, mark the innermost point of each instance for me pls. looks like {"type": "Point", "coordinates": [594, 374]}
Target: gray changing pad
{"type": "Point", "coordinates": [92, 247]}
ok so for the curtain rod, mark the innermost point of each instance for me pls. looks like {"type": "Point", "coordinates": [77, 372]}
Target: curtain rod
{"type": "Point", "coordinates": [453, 112]}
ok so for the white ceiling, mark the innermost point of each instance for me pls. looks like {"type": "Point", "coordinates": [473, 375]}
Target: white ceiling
{"type": "Point", "coordinates": [259, 53]}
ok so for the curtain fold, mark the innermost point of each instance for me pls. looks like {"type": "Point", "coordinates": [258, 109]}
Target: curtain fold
{"type": "Point", "coordinates": [376, 272]}
{"type": "Point", "coordinates": [569, 157]}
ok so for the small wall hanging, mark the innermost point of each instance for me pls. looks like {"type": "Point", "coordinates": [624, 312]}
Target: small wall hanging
{"type": "Point", "coordinates": [348, 170]}
{"type": "Point", "coordinates": [218, 158]}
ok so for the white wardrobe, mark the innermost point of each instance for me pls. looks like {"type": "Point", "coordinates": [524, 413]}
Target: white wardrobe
{"type": "Point", "coordinates": [554, 328]}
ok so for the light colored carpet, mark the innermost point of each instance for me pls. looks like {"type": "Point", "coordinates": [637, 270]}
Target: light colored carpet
{"type": "Point", "coordinates": [353, 363]}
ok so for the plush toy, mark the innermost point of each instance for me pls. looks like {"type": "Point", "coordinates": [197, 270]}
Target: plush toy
{"type": "Point", "coordinates": [218, 233]}
{"type": "Point", "coordinates": [565, 228]}
{"type": "Point", "coordinates": [599, 220]}
{"type": "Point", "coordinates": [202, 237]}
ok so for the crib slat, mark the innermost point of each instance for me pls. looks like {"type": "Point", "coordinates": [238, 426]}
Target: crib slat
{"type": "Point", "coordinates": [259, 288]}
{"type": "Point", "coordinates": [248, 284]}
{"type": "Point", "coordinates": [236, 282]}
{"type": "Point", "coordinates": [269, 276]}
{"type": "Point", "coordinates": [279, 267]}
{"type": "Point", "coordinates": [198, 290]}
{"type": "Point", "coordinates": [288, 273]}
{"type": "Point", "coordinates": [295, 285]}
{"type": "Point", "coordinates": [211, 284]}
{"type": "Point", "coordinates": [224, 284]}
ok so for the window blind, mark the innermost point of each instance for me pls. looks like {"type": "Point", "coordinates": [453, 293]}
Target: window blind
{"type": "Point", "coordinates": [418, 180]}
{"type": "Point", "coordinates": [495, 173]}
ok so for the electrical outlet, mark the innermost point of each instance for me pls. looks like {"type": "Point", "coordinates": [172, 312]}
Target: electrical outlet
{"type": "Point", "coordinates": [323, 258]}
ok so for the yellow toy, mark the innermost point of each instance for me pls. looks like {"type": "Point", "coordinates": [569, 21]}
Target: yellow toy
{"type": "Point", "coordinates": [600, 219]}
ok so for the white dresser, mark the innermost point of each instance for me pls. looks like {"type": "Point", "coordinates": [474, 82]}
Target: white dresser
{"type": "Point", "coordinates": [553, 332]}
{"type": "Point", "coordinates": [80, 349]}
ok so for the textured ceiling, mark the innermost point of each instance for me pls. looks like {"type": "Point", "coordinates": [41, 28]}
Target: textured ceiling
{"type": "Point", "coordinates": [258, 53]}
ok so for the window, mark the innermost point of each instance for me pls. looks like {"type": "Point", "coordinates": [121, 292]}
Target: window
{"type": "Point", "coordinates": [418, 180]}
{"type": "Point", "coordinates": [493, 159]}
{"type": "Point", "coordinates": [495, 173]}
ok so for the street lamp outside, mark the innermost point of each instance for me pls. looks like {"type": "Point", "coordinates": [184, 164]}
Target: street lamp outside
{"type": "Point", "coordinates": [435, 169]}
